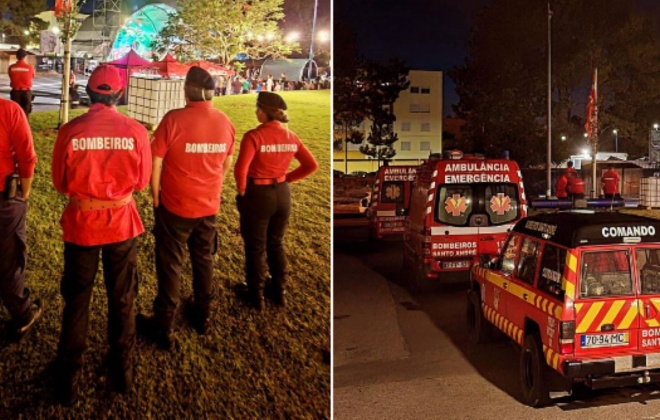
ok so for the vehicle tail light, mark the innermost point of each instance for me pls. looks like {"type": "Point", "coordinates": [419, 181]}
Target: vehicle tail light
{"type": "Point", "coordinates": [427, 243]}
{"type": "Point", "coordinates": [567, 336]}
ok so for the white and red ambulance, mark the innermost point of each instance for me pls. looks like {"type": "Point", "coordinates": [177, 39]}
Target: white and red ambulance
{"type": "Point", "coordinates": [461, 207]}
{"type": "Point", "coordinates": [390, 200]}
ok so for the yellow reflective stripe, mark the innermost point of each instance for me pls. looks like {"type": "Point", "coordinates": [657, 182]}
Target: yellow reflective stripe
{"type": "Point", "coordinates": [589, 317]}
{"type": "Point", "coordinates": [572, 262]}
{"type": "Point", "coordinates": [656, 304]}
{"type": "Point", "coordinates": [652, 322]}
{"type": "Point", "coordinates": [569, 287]}
{"type": "Point", "coordinates": [630, 316]}
{"type": "Point", "coordinates": [613, 312]}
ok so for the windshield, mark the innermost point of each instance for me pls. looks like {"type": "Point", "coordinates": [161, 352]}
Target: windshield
{"type": "Point", "coordinates": [606, 273]}
{"type": "Point", "coordinates": [457, 203]}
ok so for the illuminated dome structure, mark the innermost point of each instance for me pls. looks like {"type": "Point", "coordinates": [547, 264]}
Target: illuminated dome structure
{"type": "Point", "coordinates": [139, 30]}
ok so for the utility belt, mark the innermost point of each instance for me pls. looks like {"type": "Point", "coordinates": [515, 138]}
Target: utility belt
{"type": "Point", "coordinates": [266, 181]}
{"type": "Point", "coordinates": [86, 204]}
{"type": "Point", "coordinates": [12, 186]}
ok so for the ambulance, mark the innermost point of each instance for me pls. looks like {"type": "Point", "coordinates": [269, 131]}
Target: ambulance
{"type": "Point", "coordinates": [390, 200]}
{"type": "Point", "coordinates": [579, 293]}
{"type": "Point", "coordinates": [461, 207]}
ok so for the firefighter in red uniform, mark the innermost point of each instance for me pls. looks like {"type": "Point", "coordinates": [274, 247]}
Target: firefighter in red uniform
{"type": "Point", "coordinates": [562, 180]}
{"type": "Point", "coordinates": [20, 78]}
{"type": "Point", "coordinates": [610, 181]}
{"type": "Point", "coordinates": [192, 152]}
{"type": "Point", "coordinates": [17, 161]}
{"type": "Point", "coordinates": [264, 197]}
{"type": "Point", "coordinates": [99, 159]}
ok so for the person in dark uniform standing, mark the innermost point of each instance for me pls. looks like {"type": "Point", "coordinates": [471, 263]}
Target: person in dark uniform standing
{"type": "Point", "coordinates": [99, 159]}
{"type": "Point", "coordinates": [17, 161]}
{"type": "Point", "coordinates": [264, 197]}
{"type": "Point", "coordinates": [192, 151]}
{"type": "Point", "coordinates": [20, 78]}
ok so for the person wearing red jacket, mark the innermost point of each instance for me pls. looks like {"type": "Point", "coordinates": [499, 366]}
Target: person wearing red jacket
{"type": "Point", "coordinates": [610, 181]}
{"type": "Point", "coordinates": [562, 182]}
{"type": "Point", "coordinates": [192, 151]}
{"type": "Point", "coordinates": [17, 161]}
{"type": "Point", "coordinates": [20, 79]}
{"type": "Point", "coordinates": [99, 159]}
{"type": "Point", "coordinates": [264, 198]}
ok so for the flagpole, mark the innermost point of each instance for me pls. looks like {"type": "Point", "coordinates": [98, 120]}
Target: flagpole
{"type": "Point", "coordinates": [594, 137]}
{"type": "Point", "coordinates": [548, 192]}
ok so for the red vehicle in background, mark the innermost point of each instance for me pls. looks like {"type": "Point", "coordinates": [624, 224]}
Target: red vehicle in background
{"type": "Point", "coordinates": [390, 200]}
{"type": "Point", "coordinates": [461, 207]}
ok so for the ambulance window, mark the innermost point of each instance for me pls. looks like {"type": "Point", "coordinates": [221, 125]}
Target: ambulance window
{"type": "Point", "coordinates": [605, 273]}
{"type": "Point", "coordinates": [393, 192]}
{"type": "Point", "coordinates": [648, 263]}
{"type": "Point", "coordinates": [553, 262]}
{"type": "Point", "coordinates": [509, 255]}
{"type": "Point", "coordinates": [501, 203]}
{"type": "Point", "coordinates": [527, 260]}
{"type": "Point", "coordinates": [454, 204]}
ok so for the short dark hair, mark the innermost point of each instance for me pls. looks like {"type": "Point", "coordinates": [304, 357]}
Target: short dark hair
{"type": "Point", "coordinates": [21, 54]}
{"type": "Point", "coordinates": [100, 98]}
{"type": "Point", "coordinates": [194, 93]}
{"type": "Point", "coordinates": [569, 164]}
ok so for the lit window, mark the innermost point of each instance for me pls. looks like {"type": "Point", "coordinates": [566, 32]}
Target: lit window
{"type": "Point", "coordinates": [414, 89]}
{"type": "Point", "coordinates": [405, 126]}
{"type": "Point", "coordinates": [426, 126]}
{"type": "Point", "coordinates": [405, 145]}
{"type": "Point", "coordinates": [425, 145]}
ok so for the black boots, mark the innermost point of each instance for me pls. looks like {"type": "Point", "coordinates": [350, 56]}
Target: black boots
{"type": "Point", "coordinates": [254, 298]}
{"type": "Point", "coordinates": [196, 319]}
{"type": "Point", "coordinates": [16, 329]}
{"type": "Point", "coordinates": [148, 327]}
{"type": "Point", "coordinates": [276, 293]}
{"type": "Point", "coordinates": [67, 384]}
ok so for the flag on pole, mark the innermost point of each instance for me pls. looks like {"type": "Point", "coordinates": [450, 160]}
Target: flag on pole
{"type": "Point", "coordinates": [591, 125]}
{"type": "Point", "coordinates": [62, 7]}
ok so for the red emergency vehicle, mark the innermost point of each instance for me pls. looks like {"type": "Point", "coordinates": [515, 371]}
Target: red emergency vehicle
{"type": "Point", "coordinates": [461, 207]}
{"type": "Point", "coordinates": [579, 291]}
{"type": "Point", "coordinates": [390, 200]}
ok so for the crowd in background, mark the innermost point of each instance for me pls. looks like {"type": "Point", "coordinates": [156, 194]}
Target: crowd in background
{"type": "Point", "coordinates": [252, 82]}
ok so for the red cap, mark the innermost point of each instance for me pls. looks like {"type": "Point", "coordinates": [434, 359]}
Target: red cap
{"type": "Point", "coordinates": [105, 75]}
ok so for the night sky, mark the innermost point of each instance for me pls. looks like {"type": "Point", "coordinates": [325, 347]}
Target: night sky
{"type": "Point", "coordinates": [426, 34]}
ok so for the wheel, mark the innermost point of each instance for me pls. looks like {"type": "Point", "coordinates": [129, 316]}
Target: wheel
{"type": "Point", "coordinates": [534, 373]}
{"type": "Point", "coordinates": [479, 330]}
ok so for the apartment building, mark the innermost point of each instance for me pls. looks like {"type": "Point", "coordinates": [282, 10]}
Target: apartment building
{"type": "Point", "coordinates": [418, 124]}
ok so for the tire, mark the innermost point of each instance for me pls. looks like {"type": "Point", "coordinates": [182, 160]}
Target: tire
{"type": "Point", "coordinates": [479, 330]}
{"type": "Point", "coordinates": [534, 373]}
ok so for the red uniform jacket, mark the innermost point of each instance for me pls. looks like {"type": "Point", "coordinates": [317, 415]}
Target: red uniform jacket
{"type": "Point", "coordinates": [101, 155]}
{"type": "Point", "coordinates": [610, 180]}
{"type": "Point", "coordinates": [194, 142]}
{"type": "Point", "coordinates": [15, 142]}
{"type": "Point", "coordinates": [266, 153]}
{"type": "Point", "coordinates": [21, 75]}
{"type": "Point", "coordinates": [560, 186]}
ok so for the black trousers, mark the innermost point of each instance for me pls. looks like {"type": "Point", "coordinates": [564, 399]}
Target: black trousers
{"type": "Point", "coordinates": [172, 234]}
{"type": "Point", "coordinates": [121, 278]}
{"type": "Point", "coordinates": [264, 212]}
{"type": "Point", "coordinates": [13, 257]}
{"type": "Point", "coordinates": [23, 98]}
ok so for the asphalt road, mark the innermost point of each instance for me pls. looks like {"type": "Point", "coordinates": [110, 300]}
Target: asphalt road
{"type": "Point", "coordinates": [399, 355]}
{"type": "Point", "coordinates": [47, 87]}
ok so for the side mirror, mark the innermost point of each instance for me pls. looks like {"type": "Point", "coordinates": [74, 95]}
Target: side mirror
{"type": "Point", "coordinates": [484, 261]}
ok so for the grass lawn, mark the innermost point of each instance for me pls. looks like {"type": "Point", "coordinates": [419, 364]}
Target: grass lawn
{"type": "Point", "coordinates": [255, 365]}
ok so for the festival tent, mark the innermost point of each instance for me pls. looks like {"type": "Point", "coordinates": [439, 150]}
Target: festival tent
{"type": "Point", "coordinates": [212, 68]}
{"type": "Point", "coordinates": [167, 67]}
{"type": "Point", "coordinates": [128, 64]}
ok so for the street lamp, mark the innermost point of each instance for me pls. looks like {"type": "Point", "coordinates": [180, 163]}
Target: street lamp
{"type": "Point", "coordinates": [55, 30]}
{"type": "Point", "coordinates": [293, 37]}
{"type": "Point", "coordinates": [324, 36]}
{"type": "Point", "coordinates": [563, 138]}
{"type": "Point", "coordinates": [616, 140]}
{"type": "Point", "coordinates": [656, 126]}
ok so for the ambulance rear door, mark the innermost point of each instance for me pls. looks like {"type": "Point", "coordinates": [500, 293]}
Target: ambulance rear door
{"type": "Point", "coordinates": [606, 305]}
